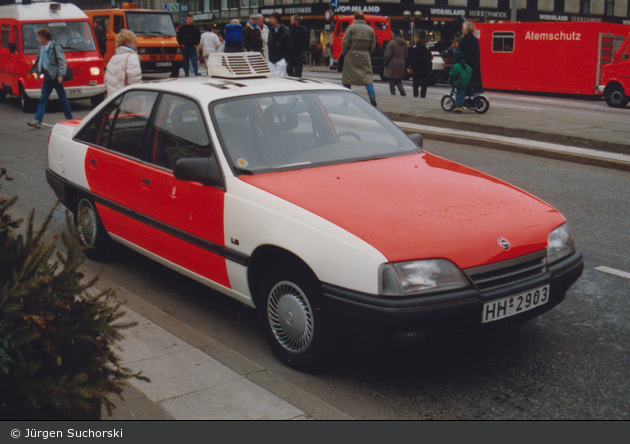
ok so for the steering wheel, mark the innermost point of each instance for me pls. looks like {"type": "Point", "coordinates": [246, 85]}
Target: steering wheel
{"type": "Point", "coordinates": [78, 39]}
{"type": "Point", "coordinates": [343, 133]}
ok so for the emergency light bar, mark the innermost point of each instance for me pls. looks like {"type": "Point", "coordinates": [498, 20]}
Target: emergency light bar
{"type": "Point", "coordinates": [238, 65]}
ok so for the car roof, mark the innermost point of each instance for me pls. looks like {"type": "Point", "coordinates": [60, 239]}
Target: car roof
{"type": "Point", "coordinates": [209, 89]}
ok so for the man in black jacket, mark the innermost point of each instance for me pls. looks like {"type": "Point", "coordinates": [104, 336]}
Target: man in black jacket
{"type": "Point", "coordinates": [252, 37]}
{"type": "Point", "coordinates": [279, 40]}
{"type": "Point", "coordinates": [188, 36]}
{"type": "Point", "coordinates": [300, 38]}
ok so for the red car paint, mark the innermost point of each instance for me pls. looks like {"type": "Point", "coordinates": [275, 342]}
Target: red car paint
{"type": "Point", "coordinates": [420, 206]}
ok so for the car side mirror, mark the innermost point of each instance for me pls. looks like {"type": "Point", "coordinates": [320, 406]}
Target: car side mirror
{"type": "Point", "coordinates": [625, 56]}
{"type": "Point", "coordinates": [199, 169]}
{"type": "Point", "coordinates": [416, 138]}
{"type": "Point", "coordinates": [12, 47]}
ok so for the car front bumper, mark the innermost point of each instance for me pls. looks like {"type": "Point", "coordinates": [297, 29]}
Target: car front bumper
{"type": "Point", "coordinates": [72, 92]}
{"type": "Point", "coordinates": [351, 309]}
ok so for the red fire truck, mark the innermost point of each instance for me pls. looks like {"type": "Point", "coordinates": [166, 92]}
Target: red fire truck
{"type": "Point", "coordinates": [561, 58]}
{"type": "Point", "coordinates": [615, 82]}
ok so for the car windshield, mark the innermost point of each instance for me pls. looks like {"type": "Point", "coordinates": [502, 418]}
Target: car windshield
{"type": "Point", "coordinates": [72, 36]}
{"type": "Point", "coordinates": [151, 23]}
{"type": "Point", "coordinates": [278, 132]}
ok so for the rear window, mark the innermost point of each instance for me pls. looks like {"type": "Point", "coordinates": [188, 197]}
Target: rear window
{"type": "Point", "coordinates": [503, 41]}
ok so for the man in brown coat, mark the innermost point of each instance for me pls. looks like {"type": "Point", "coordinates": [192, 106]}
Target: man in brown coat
{"type": "Point", "coordinates": [358, 44]}
{"type": "Point", "coordinates": [395, 59]}
{"type": "Point", "coordinates": [252, 37]}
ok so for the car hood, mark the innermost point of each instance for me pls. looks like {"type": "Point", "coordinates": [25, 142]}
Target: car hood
{"type": "Point", "coordinates": [420, 206]}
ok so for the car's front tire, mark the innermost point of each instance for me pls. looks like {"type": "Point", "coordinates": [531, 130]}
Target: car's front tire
{"type": "Point", "coordinates": [293, 316]}
{"type": "Point", "coordinates": [90, 230]}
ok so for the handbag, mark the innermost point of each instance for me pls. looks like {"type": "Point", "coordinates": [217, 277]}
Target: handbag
{"type": "Point", "coordinates": [69, 74]}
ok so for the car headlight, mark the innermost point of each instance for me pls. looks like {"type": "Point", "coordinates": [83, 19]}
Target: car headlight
{"type": "Point", "coordinates": [142, 50]}
{"type": "Point", "coordinates": [417, 277]}
{"type": "Point", "coordinates": [559, 244]}
{"type": "Point", "coordinates": [95, 71]}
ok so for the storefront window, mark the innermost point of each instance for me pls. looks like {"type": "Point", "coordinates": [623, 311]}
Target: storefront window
{"type": "Point", "coordinates": [609, 7]}
{"type": "Point", "coordinates": [585, 7]}
{"type": "Point", "coordinates": [558, 6]}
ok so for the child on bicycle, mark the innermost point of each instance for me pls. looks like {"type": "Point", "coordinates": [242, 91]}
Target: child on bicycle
{"type": "Point", "coordinates": [460, 75]}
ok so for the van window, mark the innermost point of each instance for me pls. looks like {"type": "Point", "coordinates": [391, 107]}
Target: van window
{"type": "Point", "coordinates": [503, 41]}
{"type": "Point", "coordinates": [104, 19]}
{"type": "Point", "coordinates": [119, 23]}
{"type": "Point", "coordinates": [380, 26]}
{"type": "Point", "coordinates": [5, 35]}
{"type": "Point", "coordinates": [72, 36]}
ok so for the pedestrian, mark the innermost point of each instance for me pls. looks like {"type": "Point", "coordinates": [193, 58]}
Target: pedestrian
{"type": "Point", "coordinates": [394, 62]}
{"type": "Point", "coordinates": [264, 34]}
{"type": "Point", "coordinates": [124, 67]}
{"type": "Point", "coordinates": [327, 51]}
{"type": "Point", "coordinates": [252, 37]}
{"type": "Point", "coordinates": [101, 38]}
{"type": "Point", "coordinates": [209, 43]}
{"type": "Point", "coordinates": [469, 47]}
{"type": "Point", "coordinates": [188, 36]}
{"type": "Point", "coordinates": [421, 68]}
{"type": "Point", "coordinates": [460, 74]}
{"type": "Point", "coordinates": [51, 62]}
{"type": "Point", "coordinates": [358, 44]}
{"type": "Point", "coordinates": [300, 43]}
{"type": "Point", "coordinates": [313, 50]}
{"type": "Point", "coordinates": [221, 35]}
{"type": "Point", "coordinates": [280, 44]}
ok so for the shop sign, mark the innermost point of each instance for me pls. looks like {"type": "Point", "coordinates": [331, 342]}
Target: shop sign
{"type": "Point", "coordinates": [364, 9]}
{"type": "Point", "coordinates": [447, 12]}
{"type": "Point", "coordinates": [477, 13]}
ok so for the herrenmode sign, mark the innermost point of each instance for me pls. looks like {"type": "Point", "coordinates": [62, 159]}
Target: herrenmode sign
{"type": "Point", "coordinates": [560, 36]}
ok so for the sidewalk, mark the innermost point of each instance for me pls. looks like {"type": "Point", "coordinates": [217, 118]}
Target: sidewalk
{"type": "Point", "coordinates": [193, 377]}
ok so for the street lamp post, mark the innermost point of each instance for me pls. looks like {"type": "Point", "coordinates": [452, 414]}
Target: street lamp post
{"type": "Point", "coordinates": [407, 16]}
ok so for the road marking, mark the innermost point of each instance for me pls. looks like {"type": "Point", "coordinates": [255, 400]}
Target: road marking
{"type": "Point", "coordinates": [603, 269]}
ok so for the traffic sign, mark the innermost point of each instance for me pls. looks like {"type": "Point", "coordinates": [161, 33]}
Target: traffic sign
{"type": "Point", "coordinates": [334, 4]}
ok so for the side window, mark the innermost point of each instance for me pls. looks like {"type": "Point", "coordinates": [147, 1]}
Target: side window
{"type": "Point", "coordinates": [104, 20]}
{"type": "Point", "coordinates": [97, 131]}
{"type": "Point", "coordinates": [119, 23]}
{"type": "Point", "coordinates": [380, 26]}
{"type": "Point", "coordinates": [503, 41]}
{"type": "Point", "coordinates": [5, 33]}
{"type": "Point", "coordinates": [129, 130]}
{"type": "Point", "coordinates": [179, 131]}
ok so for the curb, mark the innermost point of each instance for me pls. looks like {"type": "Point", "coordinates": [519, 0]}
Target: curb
{"type": "Point", "coordinates": [311, 405]}
{"type": "Point", "coordinates": [586, 156]}
{"type": "Point", "coordinates": [533, 135]}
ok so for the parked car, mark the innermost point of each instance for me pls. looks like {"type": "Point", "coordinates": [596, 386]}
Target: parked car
{"type": "Point", "coordinates": [302, 200]}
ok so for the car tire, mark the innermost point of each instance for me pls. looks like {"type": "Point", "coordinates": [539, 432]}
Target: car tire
{"type": "Point", "coordinates": [28, 105]}
{"type": "Point", "coordinates": [616, 96]}
{"type": "Point", "coordinates": [96, 100]}
{"type": "Point", "coordinates": [90, 230]}
{"type": "Point", "coordinates": [293, 316]}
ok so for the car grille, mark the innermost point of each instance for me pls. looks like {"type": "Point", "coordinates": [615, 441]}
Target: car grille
{"type": "Point", "coordinates": [512, 271]}
{"type": "Point", "coordinates": [160, 50]}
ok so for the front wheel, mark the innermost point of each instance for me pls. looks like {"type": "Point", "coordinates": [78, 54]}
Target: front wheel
{"type": "Point", "coordinates": [28, 105]}
{"type": "Point", "coordinates": [481, 104]}
{"type": "Point", "coordinates": [616, 96]}
{"type": "Point", "coordinates": [90, 230]}
{"type": "Point", "coordinates": [293, 316]}
{"type": "Point", "coordinates": [448, 103]}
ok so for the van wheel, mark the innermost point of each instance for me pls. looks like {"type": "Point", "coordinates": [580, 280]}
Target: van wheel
{"type": "Point", "coordinates": [3, 96]}
{"type": "Point", "coordinates": [96, 100]}
{"type": "Point", "coordinates": [28, 105]}
{"type": "Point", "coordinates": [90, 230]}
{"type": "Point", "coordinates": [616, 96]}
{"type": "Point", "coordinates": [293, 316]}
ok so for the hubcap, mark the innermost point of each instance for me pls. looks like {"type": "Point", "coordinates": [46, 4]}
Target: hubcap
{"type": "Point", "coordinates": [87, 224]}
{"type": "Point", "coordinates": [616, 97]}
{"type": "Point", "coordinates": [290, 317]}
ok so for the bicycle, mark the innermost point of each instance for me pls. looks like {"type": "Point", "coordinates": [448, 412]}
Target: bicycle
{"type": "Point", "coordinates": [477, 102]}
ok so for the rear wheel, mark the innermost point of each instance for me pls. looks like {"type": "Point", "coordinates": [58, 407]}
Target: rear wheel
{"type": "Point", "coordinates": [448, 103]}
{"type": "Point", "coordinates": [90, 230]}
{"type": "Point", "coordinates": [293, 316]}
{"type": "Point", "coordinates": [616, 96]}
{"type": "Point", "coordinates": [481, 104]}
{"type": "Point", "coordinates": [96, 100]}
{"type": "Point", "coordinates": [28, 105]}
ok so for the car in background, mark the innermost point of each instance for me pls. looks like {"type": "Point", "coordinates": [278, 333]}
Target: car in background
{"type": "Point", "coordinates": [300, 199]}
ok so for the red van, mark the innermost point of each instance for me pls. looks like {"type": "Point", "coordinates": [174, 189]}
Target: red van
{"type": "Point", "coordinates": [615, 81]}
{"type": "Point", "coordinates": [382, 28]}
{"type": "Point", "coordinates": [70, 28]}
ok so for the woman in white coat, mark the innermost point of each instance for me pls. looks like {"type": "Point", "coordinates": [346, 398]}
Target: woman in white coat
{"type": "Point", "coordinates": [124, 68]}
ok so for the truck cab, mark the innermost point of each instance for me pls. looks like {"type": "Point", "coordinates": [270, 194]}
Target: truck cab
{"type": "Point", "coordinates": [615, 80]}
{"type": "Point", "coordinates": [157, 38]}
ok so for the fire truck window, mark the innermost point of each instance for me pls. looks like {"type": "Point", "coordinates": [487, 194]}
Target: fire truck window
{"type": "Point", "coordinates": [625, 55]}
{"type": "Point", "coordinates": [344, 26]}
{"type": "Point", "coordinates": [502, 42]}
{"type": "Point", "coordinates": [119, 23]}
{"type": "Point", "coordinates": [104, 19]}
{"type": "Point", "coordinates": [380, 26]}
{"type": "Point", "coordinates": [4, 35]}
{"type": "Point", "coordinates": [180, 132]}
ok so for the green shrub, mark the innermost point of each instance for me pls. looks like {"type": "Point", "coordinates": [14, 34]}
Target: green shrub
{"type": "Point", "coordinates": [57, 331]}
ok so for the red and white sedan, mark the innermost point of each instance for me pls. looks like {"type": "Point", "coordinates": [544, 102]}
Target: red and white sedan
{"type": "Point", "coordinates": [300, 199]}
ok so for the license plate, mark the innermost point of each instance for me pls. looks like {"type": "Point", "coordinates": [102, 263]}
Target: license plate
{"type": "Point", "coordinates": [73, 91]}
{"type": "Point", "coordinates": [163, 64]}
{"type": "Point", "coordinates": [513, 305]}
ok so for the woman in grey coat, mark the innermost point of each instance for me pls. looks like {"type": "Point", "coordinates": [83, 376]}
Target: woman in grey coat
{"type": "Point", "coordinates": [394, 60]}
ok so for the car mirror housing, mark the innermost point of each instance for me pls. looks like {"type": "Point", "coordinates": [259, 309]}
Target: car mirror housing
{"type": "Point", "coordinates": [416, 138]}
{"type": "Point", "coordinates": [199, 169]}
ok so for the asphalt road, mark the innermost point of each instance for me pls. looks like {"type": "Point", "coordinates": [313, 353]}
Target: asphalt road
{"type": "Point", "coordinates": [571, 363]}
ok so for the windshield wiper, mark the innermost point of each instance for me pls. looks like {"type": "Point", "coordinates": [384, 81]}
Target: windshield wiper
{"type": "Point", "coordinates": [243, 171]}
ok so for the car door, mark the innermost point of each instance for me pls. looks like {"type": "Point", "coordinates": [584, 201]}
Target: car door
{"type": "Point", "coordinates": [187, 216]}
{"type": "Point", "coordinates": [116, 139]}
